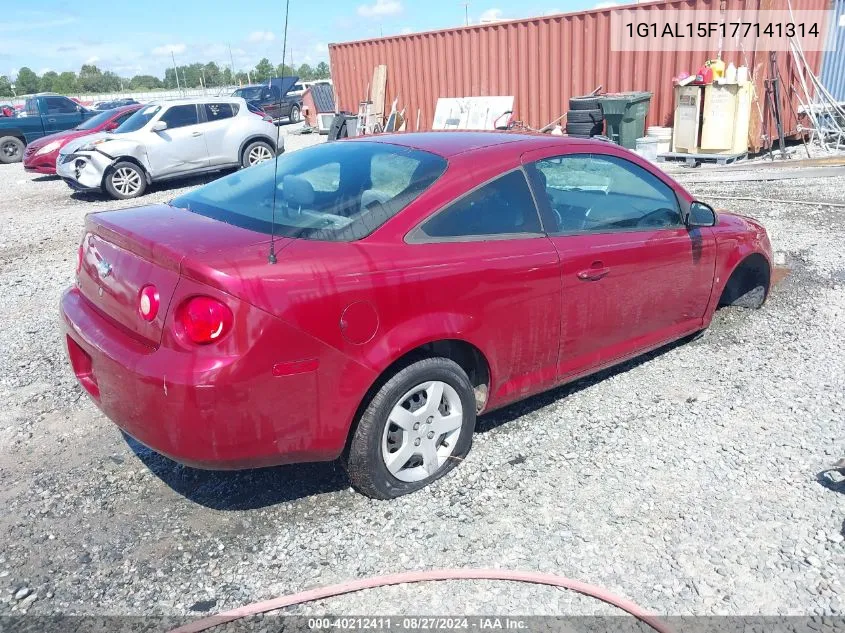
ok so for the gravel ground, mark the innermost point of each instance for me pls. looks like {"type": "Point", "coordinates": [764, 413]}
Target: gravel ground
{"type": "Point", "coordinates": [687, 481]}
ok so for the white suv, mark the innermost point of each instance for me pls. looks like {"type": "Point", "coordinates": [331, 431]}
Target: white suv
{"type": "Point", "coordinates": [169, 139]}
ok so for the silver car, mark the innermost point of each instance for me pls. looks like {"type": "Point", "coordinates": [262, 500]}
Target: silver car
{"type": "Point", "coordinates": [169, 139]}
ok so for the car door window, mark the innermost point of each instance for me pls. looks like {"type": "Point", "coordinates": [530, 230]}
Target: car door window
{"type": "Point", "coordinates": [218, 111]}
{"type": "Point", "coordinates": [180, 116]}
{"type": "Point", "coordinates": [593, 193]}
{"type": "Point", "coordinates": [501, 207]}
{"type": "Point", "coordinates": [59, 105]}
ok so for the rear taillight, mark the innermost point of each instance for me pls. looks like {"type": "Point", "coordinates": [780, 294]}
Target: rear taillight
{"type": "Point", "coordinates": [204, 320]}
{"type": "Point", "coordinates": [79, 253]}
{"type": "Point", "coordinates": [148, 303]}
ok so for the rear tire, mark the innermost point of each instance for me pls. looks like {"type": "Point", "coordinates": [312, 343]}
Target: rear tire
{"type": "Point", "coordinates": [294, 114]}
{"type": "Point", "coordinates": [422, 439]}
{"type": "Point", "coordinates": [125, 180]}
{"type": "Point", "coordinates": [11, 150]}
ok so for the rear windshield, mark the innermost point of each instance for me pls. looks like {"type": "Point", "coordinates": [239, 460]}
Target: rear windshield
{"type": "Point", "coordinates": [334, 192]}
{"type": "Point", "coordinates": [250, 94]}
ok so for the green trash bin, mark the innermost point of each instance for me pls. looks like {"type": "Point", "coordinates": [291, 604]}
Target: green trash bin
{"type": "Point", "coordinates": [625, 114]}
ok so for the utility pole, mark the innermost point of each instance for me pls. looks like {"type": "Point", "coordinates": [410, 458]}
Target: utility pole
{"type": "Point", "coordinates": [175, 70]}
{"type": "Point", "coordinates": [232, 62]}
{"type": "Point", "coordinates": [466, 12]}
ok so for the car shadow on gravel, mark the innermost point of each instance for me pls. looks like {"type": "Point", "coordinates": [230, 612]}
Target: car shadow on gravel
{"type": "Point", "coordinates": [165, 185]}
{"type": "Point", "coordinates": [242, 489]}
{"type": "Point", "coordinates": [510, 413]}
{"type": "Point", "coordinates": [46, 178]}
{"type": "Point", "coordinates": [262, 487]}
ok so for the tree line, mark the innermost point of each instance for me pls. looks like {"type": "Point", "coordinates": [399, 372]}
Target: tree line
{"type": "Point", "coordinates": [92, 80]}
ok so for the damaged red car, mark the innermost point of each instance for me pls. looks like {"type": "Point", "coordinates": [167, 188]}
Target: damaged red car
{"type": "Point", "coordinates": [367, 299]}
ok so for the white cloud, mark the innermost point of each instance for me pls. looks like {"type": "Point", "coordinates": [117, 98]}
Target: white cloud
{"type": "Point", "coordinates": [167, 49]}
{"type": "Point", "coordinates": [380, 8]}
{"type": "Point", "coordinates": [92, 60]}
{"type": "Point", "coordinates": [321, 48]}
{"type": "Point", "coordinates": [261, 36]}
{"type": "Point", "coordinates": [44, 70]}
{"type": "Point", "coordinates": [606, 5]}
{"type": "Point", "coordinates": [491, 15]}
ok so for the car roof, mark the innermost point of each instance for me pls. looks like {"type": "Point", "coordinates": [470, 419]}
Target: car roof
{"type": "Point", "coordinates": [448, 143]}
{"type": "Point", "coordinates": [194, 100]}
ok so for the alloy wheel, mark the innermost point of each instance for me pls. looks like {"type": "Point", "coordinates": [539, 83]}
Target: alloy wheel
{"type": "Point", "coordinates": [126, 181]}
{"type": "Point", "coordinates": [422, 431]}
{"type": "Point", "coordinates": [259, 154]}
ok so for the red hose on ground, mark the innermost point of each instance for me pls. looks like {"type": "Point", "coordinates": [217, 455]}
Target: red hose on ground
{"type": "Point", "coordinates": [536, 578]}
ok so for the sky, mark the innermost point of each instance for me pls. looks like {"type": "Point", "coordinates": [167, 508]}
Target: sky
{"type": "Point", "coordinates": [137, 37]}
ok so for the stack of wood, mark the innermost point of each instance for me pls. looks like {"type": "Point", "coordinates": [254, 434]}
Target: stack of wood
{"type": "Point", "coordinates": [372, 118]}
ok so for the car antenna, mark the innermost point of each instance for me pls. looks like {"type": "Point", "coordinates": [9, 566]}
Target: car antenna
{"type": "Point", "coordinates": [271, 258]}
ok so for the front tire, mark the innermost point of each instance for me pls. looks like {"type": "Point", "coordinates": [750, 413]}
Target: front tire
{"type": "Point", "coordinates": [255, 153]}
{"type": "Point", "coordinates": [416, 428]}
{"type": "Point", "coordinates": [11, 150]}
{"type": "Point", "coordinates": [125, 180]}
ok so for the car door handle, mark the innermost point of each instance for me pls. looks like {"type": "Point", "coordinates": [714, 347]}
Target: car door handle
{"type": "Point", "coordinates": [197, 134]}
{"type": "Point", "coordinates": [594, 273]}
{"type": "Point", "coordinates": [51, 120]}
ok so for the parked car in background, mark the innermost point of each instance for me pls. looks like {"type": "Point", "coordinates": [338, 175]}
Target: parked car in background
{"type": "Point", "coordinates": [117, 103]}
{"type": "Point", "coordinates": [46, 113]}
{"type": "Point", "coordinates": [416, 281]}
{"type": "Point", "coordinates": [274, 98]}
{"type": "Point", "coordinates": [169, 139]}
{"type": "Point", "coordinates": [40, 156]}
{"type": "Point", "coordinates": [7, 109]}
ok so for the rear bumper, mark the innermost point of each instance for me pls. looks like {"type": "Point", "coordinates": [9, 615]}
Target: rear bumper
{"type": "Point", "coordinates": [222, 413]}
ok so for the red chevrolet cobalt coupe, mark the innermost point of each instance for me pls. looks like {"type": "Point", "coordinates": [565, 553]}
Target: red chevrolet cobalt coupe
{"type": "Point", "coordinates": [369, 298]}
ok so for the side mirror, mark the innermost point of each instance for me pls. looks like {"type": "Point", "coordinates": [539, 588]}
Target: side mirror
{"type": "Point", "coordinates": [159, 126]}
{"type": "Point", "coordinates": [701, 214]}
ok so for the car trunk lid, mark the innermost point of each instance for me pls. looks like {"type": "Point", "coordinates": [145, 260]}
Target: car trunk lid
{"type": "Point", "coordinates": [124, 251]}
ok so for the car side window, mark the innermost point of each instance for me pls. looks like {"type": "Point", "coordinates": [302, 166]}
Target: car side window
{"type": "Point", "coordinates": [501, 207]}
{"type": "Point", "coordinates": [218, 111]}
{"type": "Point", "coordinates": [594, 193]}
{"type": "Point", "coordinates": [59, 105]}
{"type": "Point", "coordinates": [180, 116]}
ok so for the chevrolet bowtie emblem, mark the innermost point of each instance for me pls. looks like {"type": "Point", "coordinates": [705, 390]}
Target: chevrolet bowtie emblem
{"type": "Point", "coordinates": [103, 268]}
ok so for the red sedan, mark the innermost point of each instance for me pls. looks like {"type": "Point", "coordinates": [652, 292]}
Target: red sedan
{"type": "Point", "coordinates": [40, 156]}
{"type": "Point", "coordinates": [370, 297]}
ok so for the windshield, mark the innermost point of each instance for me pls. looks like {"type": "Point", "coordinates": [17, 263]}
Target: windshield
{"type": "Point", "coordinates": [96, 121]}
{"type": "Point", "coordinates": [250, 94]}
{"type": "Point", "coordinates": [138, 120]}
{"type": "Point", "coordinates": [334, 192]}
